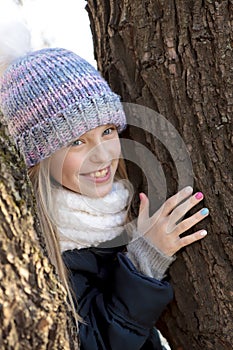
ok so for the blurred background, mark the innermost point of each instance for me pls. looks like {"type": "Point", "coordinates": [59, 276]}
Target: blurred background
{"type": "Point", "coordinates": [60, 23]}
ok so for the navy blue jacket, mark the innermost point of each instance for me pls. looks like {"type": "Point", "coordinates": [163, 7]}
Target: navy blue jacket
{"type": "Point", "coordinates": [119, 305]}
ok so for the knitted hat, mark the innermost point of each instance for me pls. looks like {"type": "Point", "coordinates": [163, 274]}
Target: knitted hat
{"type": "Point", "coordinates": [52, 96]}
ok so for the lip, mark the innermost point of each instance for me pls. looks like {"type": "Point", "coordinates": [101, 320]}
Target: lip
{"type": "Point", "coordinates": [98, 179]}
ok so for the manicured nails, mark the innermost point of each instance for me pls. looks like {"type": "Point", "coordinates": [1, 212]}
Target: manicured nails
{"type": "Point", "coordinates": [199, 195]}
{"type": "Point", "coordinates": [203, 233]}
{"type": "Point", "coordinates": [204, 211]}
{"type": "Point", "coordinates": [188, 189]}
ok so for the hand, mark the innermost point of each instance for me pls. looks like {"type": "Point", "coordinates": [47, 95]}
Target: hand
{"type": "Point", "coordinates": [164, 228]}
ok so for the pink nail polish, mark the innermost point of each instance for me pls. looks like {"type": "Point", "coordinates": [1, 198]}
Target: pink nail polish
{"type": "Point", "coordinates": [199, 195]}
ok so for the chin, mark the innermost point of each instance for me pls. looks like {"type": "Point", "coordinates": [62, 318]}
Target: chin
{"type": "Point", "coordinates": [94, 191]}
{"type": "Point", "coordinates": [100, 191]}
{"type": "Point", "coordinates": [103, 192]}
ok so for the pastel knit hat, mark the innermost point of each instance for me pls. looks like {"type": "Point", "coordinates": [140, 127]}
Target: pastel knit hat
{"type": "Point", "coordinates": [52, 96]}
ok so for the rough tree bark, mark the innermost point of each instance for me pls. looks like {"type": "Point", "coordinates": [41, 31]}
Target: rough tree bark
{"type": "Point", "coordinates": [33, 313]}
{"type": "Point", "coordinates": [175, 56]}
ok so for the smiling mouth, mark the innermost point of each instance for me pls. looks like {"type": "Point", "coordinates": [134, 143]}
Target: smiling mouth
{"type": "Point", "coordinates": [99, 174]}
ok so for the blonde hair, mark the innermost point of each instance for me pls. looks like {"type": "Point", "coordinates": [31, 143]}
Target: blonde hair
{"type": "Point", "coordinates": [42, 185]}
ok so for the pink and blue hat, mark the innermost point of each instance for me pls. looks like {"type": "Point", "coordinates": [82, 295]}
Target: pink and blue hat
{"type": "Point", "coordinates": [52, 96]}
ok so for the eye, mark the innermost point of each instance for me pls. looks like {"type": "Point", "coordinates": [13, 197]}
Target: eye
{"type": "Point", "coordinates": [109, 131]}
{"type": "Point", "coordinates": [76, 143]}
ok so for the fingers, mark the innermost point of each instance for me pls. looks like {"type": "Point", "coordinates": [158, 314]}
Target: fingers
{"type": "Point", "coordinates": [192, 238]}
{"type": "Point", "coordinates": [143, 215]}
{"type": "Point", "coordinates": [173, 201]}
{"type": "Point", "coordinates": [191, 221]}
{"type": "Point", "coordinates": [183, 208]}
{"type": "Point", "coordinates": [163, 228]}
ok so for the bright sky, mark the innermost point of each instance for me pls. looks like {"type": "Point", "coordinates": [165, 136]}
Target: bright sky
{"type": "Point", "coordinates": [63, 23]}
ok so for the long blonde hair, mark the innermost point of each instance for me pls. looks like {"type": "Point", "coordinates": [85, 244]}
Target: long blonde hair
{"type": "Point", "coordinates": [42, 185]}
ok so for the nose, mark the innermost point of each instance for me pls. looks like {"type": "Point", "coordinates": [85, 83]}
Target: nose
{"type": "Point", "coordinates": [100, 152]}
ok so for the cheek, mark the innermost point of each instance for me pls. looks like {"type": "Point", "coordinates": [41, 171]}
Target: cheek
{"type": "Point", "coordinates": [71, 166]}
{"type": "Point", "coordinates": [116, 149]}
{"type": "Point", "coordinates": [63, 166]}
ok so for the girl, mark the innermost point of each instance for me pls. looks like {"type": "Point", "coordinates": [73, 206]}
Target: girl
{"type": "Point", "coordinates": [66, 121]}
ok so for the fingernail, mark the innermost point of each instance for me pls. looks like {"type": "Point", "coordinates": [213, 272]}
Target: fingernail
{"type": "Point", "coordinates": [199, 195]}
{"type": "Point", "coordinates": [204, 211]}
{"type": "Point", "coordinates": [140, 196]}
{"type": "Point", "coordinates": [188, 189]}
{"type": "Point", "coordinates": [203, 233]}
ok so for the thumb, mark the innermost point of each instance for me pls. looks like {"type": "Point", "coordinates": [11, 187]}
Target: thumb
{"type": "Point", "coordinates": [143, 215]}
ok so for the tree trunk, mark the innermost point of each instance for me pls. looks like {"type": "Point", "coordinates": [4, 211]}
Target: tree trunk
{"type": "Point", "coordinates": [32, 301]}
{"type": "Point", "coordinates": [176, 58]}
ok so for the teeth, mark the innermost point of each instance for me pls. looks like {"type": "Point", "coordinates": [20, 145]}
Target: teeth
{"type": "Point", "coordinates": [101, 173]}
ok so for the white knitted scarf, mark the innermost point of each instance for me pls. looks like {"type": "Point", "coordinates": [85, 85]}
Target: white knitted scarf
{"type": "Point", "coordinates": [84, 222]}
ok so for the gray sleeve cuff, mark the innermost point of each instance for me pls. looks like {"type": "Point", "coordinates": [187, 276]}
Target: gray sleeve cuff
{"type": "Point", "coordinates": [148, 259]}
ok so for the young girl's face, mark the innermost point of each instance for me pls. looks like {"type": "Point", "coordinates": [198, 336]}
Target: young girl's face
{"type": "Point", "coordinates": [89, 164]}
